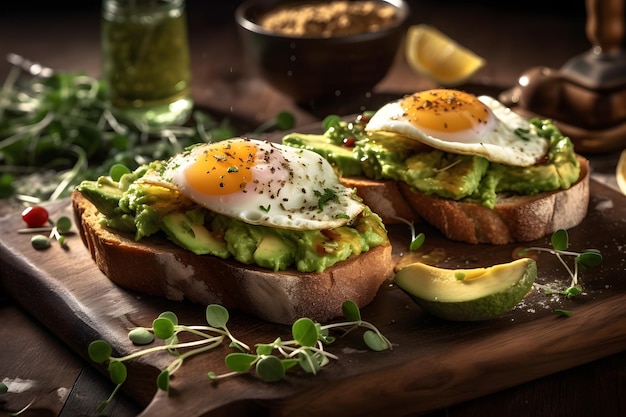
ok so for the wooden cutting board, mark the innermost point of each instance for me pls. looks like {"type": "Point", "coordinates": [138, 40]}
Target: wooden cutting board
{"type": "Point", "coordinates": [434, 363]}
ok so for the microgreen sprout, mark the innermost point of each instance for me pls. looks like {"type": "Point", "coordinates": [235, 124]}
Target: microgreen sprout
{"type": "Point", "coordinates": [270, 361]}
{"type": "Point", "coordinates": [57, 232]}
{"type": "Point", "coordinates": [283, 120]}
{"type": "Point", "coordinates": [586, 259]}
{"type": "Point", "coordinates": [417, 240]}
{"type": "Point", "coordinates": [58, 129]}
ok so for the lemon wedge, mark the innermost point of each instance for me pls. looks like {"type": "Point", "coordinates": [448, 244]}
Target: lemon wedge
{"type": "Point", "coordinates": [620, 172]}
{"type": "Point", "coordinates": [468, 294]}
{"type": "Point", "coordinates": [433, 54]}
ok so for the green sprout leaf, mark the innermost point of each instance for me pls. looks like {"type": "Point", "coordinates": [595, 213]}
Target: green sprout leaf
{"type": "Point", "coordinates": [170, 316]}
{"type": "Point", "coordinates": [240, 362]}
{"type": "Point", "coordinates": [270, 369]}
{"type": "Point", "coordinates": [559, 240]}
{"type": "Point", "coordinates": [99, 351]}
{"type": "Point", "coordinates": [117, 170]}
{"type": "Point", "coordinates": [263, 349]}
{"type": "Point", "coordinates": [374, 341]}
{"type": "Point", "coordinates": [304, 332]}
{"type": "Point", "coordinates": [285, 120]}
{"type": "Point", "coordinates": [64, 224]}
{"type": "Point", "coordinates": [216, 316]}
{"type": "Point", "coordinates": [40, 242]}
{"type": "Point", "coordinates": [163, 328]}
{"type": "Point", "coordinates": [117, 372]}
{"type": "Point", "coordinates": [163, 380]}
{"type": "Point", "coordinates": [417, 242]}
{"type": "Point", "coordinates": [330, 121]}
{"type": "Point", "coordinates": [589, 258]}
{"type": "Point", "coordinates": [140, 336]}
{"type": "Point", "coordinates": [351, 311]}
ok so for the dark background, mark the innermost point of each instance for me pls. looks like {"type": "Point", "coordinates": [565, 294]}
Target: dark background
{"type": "Point", "coordinates": [212, 10]}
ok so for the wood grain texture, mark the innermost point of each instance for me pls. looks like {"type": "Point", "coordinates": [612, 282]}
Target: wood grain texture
{"type": "Point", "coordinates": [434, 363]}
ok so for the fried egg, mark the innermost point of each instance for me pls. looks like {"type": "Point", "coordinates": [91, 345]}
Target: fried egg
{"type": "Point", "coordinates": [457, 122]}
{"type": "Point", "coordinates": [261, 183]}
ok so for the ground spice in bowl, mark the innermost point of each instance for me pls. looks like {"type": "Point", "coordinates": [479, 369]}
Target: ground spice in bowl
{"type": "Point", "coordinates": [332, 19]}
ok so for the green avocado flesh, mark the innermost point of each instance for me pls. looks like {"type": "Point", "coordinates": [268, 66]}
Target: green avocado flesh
{"type": "Point", "coordinates": [144, 209]}
{"type": "Point", "coordinates": [468, 294]}
{"type": "Point", "coordinates": [469, 178]}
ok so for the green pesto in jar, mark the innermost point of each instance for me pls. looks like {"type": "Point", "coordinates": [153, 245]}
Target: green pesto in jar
{"type": "Point", "coordinates": [145, 50]}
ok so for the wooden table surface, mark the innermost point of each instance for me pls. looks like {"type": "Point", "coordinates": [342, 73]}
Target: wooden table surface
{"type": "Point", "coordinates": [511, 39]}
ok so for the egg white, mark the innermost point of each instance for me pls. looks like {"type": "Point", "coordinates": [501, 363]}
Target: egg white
{"type": "Point", "coordinates": [495, 140]}
{"type": "Point", "coordinates": [284, 192]}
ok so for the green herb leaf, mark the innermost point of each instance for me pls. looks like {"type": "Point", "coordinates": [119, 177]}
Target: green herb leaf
{"type": "Point", "coordinates": [64, 224]}
{"type": "Point", "coordinates": [117, 170]}
{"type": "Point", "coordinates": [374, 341]}
{"type": "Point", "coordinates": [324, 198]}
{"type": "Point", "coordinates": [285, 120]}
{"type": "Point", "coordinates": [117, 372]}
{"type": "Point", "coordinates": [417, 242]}
{"type": "Point", "coordinates": [99, 351]}
{"type": "Point", "coordinates": [270, 369]}
{"type": "Point", "coordinates": [330, 121]}
{"type": "Point", "coordinates": [3, 388]}
{"type": "Point", "coordinates": [216, 315]}
{"type": "Point", "coordinates": [240, 362]}
{"type": "Point", "coordinates": [40, 242]}
{"type": "Point", "coordinates": [310, 363]}
{"type": "Point", "coordinates": [304, 332]}
{"type": "Point", "coordinates": [351, 311]}
{"type": "Point", "coordinates": [163, 328]}
{"type": "Point", "coordinates": [163, 380]}
{"type": "Point", "coordinates": [559, 240]}
{"type": "Point", "coordinates": [589, 258]}
{"type": "Point", "coordinates": [140, 336]}
{"type": "Point", "coordinates": [170, 316]}
{"type": "Point", "coordinates": [263, 349]}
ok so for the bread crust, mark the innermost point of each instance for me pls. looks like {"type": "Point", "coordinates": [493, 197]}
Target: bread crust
{"type": "Point", "coordinates": [157, 267]}
{"type": "Point", "coordinates": [514, 218]}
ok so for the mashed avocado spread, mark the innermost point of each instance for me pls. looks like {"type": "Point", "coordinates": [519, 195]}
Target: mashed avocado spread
{"type": "Point", "coordinates": [380, 155]}
{"type": "Point", "coordinates": [145, 209]}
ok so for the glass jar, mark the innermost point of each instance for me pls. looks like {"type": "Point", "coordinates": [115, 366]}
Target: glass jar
{"type": "Point", "coordinates": [146, 60]}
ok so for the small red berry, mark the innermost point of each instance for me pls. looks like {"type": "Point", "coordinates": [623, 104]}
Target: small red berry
{"type": "Point", "coordinates": [35, 216]}
{"type": "Point", "coordinates": [349, 141]}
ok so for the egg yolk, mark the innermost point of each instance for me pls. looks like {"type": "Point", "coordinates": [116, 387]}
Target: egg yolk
{"type": "Point", "coordinates": [222, 169]}
{"type": "Point", "coordinates": [443, 110]}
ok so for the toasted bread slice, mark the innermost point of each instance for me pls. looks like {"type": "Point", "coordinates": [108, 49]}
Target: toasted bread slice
{"type": "Point", "coordinates": [157, 267]}
{"type": "Point", "coordinates": [515, 218]}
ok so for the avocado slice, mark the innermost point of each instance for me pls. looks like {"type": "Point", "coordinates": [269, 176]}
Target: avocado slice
{"type": "Point", "coordinates": [182, 230]}
{"type": "Point", "coordinates": [103, 194]}
{"type": "Point", "coordinates": [468, 294]}
{"type": "Point", "coordinates": [273, 253]}
{"type": "Point", "coordinates": [340, 157]}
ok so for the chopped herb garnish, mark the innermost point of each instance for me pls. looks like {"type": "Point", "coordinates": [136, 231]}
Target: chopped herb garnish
{"type": "Point", "coordinates": [266, 209]}
{"type": "Point", "coordinates": [324, 198]}
{"type": "Point", "coordinates": [522, 133]}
